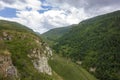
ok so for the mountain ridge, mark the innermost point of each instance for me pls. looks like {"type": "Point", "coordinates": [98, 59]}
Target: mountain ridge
{"type": "Point", "coordinates": [95, 44]}
{"type": "Point", "coordinates": [53, 35]}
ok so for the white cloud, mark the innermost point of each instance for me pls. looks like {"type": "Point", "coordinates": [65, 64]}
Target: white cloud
{"type": "Point", "coordinates": [22, 4]}
{"type": "Point", "coordinates": [41, 22]}
{"type": "Point", "coordinates": [91, 7]}
{"type": "Point", "coordinates": [50, 19]}
{"type": "Point", "coordinates": [63, 13]}
{"type": "Point", "coordinates": [1, 6]}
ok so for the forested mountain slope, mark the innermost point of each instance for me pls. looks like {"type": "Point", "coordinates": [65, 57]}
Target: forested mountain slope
{"type": "Point", "coordinates": [96, 44]}
{"type": "Point", "coordinates": [53, 35]}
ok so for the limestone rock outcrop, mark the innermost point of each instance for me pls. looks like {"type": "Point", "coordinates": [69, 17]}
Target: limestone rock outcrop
{"type": "Point", "coordinates": [40, 58]}
{"type": "Point", "coordinates": [7, 69]}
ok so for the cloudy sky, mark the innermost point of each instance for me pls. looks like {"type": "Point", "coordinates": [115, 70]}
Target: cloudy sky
{"type": "Point", "coordinates": [42, 15]}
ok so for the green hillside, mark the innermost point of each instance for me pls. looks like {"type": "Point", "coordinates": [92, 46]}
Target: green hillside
{"type": "Point", "coordinates": [9, 25]}
{"type": "Point", "coordinates": [16, 41]}
{"type": "Point", "coordinates": [20, 47]}
{"type": "Point", "coordinates": [69, 70]}
{"type": "Point", "coordinates": [96, 43]}
{"type": "Point", "coordinates": [53, 35]}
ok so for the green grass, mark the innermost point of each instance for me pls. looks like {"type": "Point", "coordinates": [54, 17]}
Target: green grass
{"type": "Point", "coordinates": [69, 70]}
{"type": "Point", "coordinates": [19, 49]}
{"type": "Point", "coordinates": [20, 45]}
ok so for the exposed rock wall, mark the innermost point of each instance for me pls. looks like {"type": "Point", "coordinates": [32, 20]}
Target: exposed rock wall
{"type": "Point", "coordinates": [39, 55]}
{"type": "Point", "coordinates": [7, 69]}
{"type": "Point", "coordinates": [40, 58]}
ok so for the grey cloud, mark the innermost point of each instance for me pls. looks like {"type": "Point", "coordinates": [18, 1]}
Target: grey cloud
{"type": "Point", "coordinates": [12, 1]}
{"type": "Point", "coordinates": [76, 3]}
{"type": "Point", "coordinates": [96, 7]}
{"type": "Point", "coordinates": [1, 7]}
{"type": "Point", "coordinates": [101, 3]}
{"type": "Point", "coordinates": [47, 24]}
{"type": "Point", "coordinates": [91, 6]}
{"type": "Point", "coordinates": [87, 3]}
{"type": "Point", "coordinates": [9, 1]}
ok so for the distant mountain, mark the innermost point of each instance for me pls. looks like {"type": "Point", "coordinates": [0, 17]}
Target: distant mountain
{"type": "Point", "coordinates": [95, 43]}
{"type": "Point", "coordinates": [53, 35]}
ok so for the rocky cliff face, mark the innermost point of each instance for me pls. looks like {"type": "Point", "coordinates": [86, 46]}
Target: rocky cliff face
{"type": "Point", "coordinates": [7, 69]}
{"type": "Point", "coordinates": [40, 58]}
{"type": "Point", "coordinates": [37, 52]}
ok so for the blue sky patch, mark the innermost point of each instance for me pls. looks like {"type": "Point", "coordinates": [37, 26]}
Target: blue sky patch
{"type": "Point", "coordinates": [42, 1]}
{"type": "Point", "coordinates": [45, 8]}
{"type": "Point", "coordinates": [42, 11]}
{"type": "Point", "coordinates": [8, 12]}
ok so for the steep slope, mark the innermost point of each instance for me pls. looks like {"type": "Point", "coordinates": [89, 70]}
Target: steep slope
{"type": "Point", "coordinates": [53, 35]}
{"type": "Point", "coordinates": [23, 55]}
{"type": "Point", "coordinates": [69, 70]}
{"type": "Point", "coordinates": [96, 44]}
